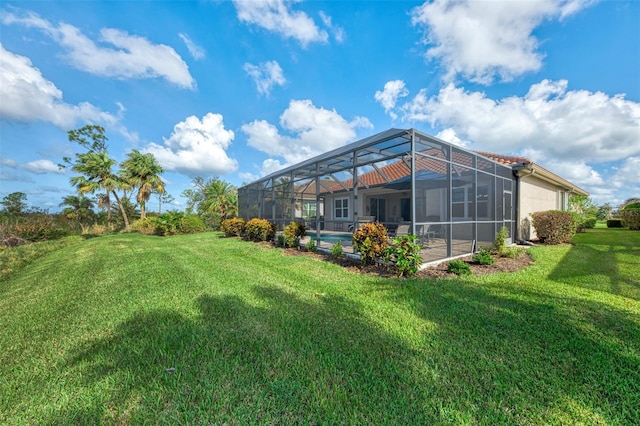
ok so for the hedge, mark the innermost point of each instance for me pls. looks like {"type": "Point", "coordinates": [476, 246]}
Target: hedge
{"type": "Point", "coordinates": [554, 226]}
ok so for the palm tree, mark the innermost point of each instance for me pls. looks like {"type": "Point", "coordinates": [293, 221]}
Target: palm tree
{"type": "Point", "coordinates": [80, 208]}
{"type": "Point", "coordinates": [96, 174]}
{"type": "Point", "coordinates": [142, 171]}
{"type": "Point", "coordinates": [220, 197]}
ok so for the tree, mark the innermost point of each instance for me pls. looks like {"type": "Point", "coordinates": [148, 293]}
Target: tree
{"type": "Point", "coordinates": [213, 198]}
{"type": "Point", "coordinates": [164, 198]}
{"type": "Point", "coordinates": [582, 205]}
{"type": "Point", "coordinates": [80, 209]}
{"type": "Point", "coordinates": [15, 203]}
{"type": "Point", "coordinates": [142, 171]}
{"type": "Point", "coordinates": [604, 211]}
{"type": "Point", "coordinates": [95, 166]}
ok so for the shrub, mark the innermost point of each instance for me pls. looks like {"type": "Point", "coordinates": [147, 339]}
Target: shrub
{"type": "Point", "coordinates": [459, 267]}
{"type": "Point", "coordinates": [281, 241]}
{"type": "Point", "coordinates": [370, 240]}
{"type": "Point", "coordinates": [501, 239]}
{"type": "Point", "coordinates": [513, 252]}
{"type": "Point", "coordinates": [145, 226]}
{"type": "Point", "coordinates": [589, 222]}
{"type": "Point", "coordinates": [168, 223]}
{"type": "Point", "coordinates": [260, 230]}
{"type": "Point", "coordinates": [311, 246]}
{"type": "Point", "coordinates": [336, 250]}
{"type": "Point", "coordinates": [233, 227]}
{"type": "Point", "coordinates": [191, 224]}
{"type": "Point", "coordinates": [293, 232]}
{"type": "Point", "coordinates": [554, 226]}
{"type": "Point", "coordinates": [631, 218]}
{"type": "Point", "coordinates": [483, 257]}
{"type": "Point", "coordinates": [405, 254]}
{"type": "Point", "coordinates": [36, 227]}
{"type": "Point", "coordinates": [614, 223]}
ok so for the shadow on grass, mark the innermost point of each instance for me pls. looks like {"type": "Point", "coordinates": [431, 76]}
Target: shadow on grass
{"type": "Point", "coordinates": [603, 260]}
{"type": "Point", "coordinates": [284, 360]}
{"type": "Point", "coordinates": [525, 358]}
{"type": "Point", "coordinates": [474, 358]}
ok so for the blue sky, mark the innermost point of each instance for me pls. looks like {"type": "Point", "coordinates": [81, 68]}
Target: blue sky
{"type": "Point", "coordinates": [240, 89]}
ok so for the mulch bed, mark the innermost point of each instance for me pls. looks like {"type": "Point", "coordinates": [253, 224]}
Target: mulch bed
{"type": "Point", "coordinates": [501, 264]}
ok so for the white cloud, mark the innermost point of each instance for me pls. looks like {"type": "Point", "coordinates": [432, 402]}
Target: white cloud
{"type": "Point", "coordinates": [480, 40]}
{"type": "Point", "coordinates": [575, 125]}
{"type": "Point", "coordinates": [449, 135]}
{"type": "Point", "coordinates": [196, 147]}
{"type": "Point", "coordinates": [130, 57]}
{"type": "Point", "coordinates": [316, 130]}
{"type": "Point", "coordinates": [27, 96]}
{"type": "Point", "coordinates": [275, 15]}
{"type": "Point", "coordinates": [42, 167]}
{"type": "Point", "coordinates": [393, 90]}
{"type": "Point", "coordinates": [196, 51]}
{"type": "Point", "coordinates": [266, 75]}
{"type": "Point", "coordinates": [338, 32]}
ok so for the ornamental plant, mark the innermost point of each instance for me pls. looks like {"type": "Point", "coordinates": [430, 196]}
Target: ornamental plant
{"type": "Point", "coordinates": [260, 230]}
{"type": "Point", "coordinates": [483, 257]}
{"type": "Point", "coordinates": [293, 232]}
{"type": "Point", "coordinates": [233, 227]}
{"type": "Point", "coordinates": [554, 226]}
{"type": "Point", "coordinates": [370, 241]}
{"type": "Point", "coordinates": [336, 250]}
{"type": "Point", "coordinates": [459, 267]}
{"type": "Point", "coordinates": [405, 255]}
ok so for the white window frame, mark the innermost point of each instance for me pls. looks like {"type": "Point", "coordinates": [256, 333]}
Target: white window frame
{"type": "Point", "coordinates": [468, 200]}
{"type": "Point", "coordinates": [307, 207]}
{"type": "Point", "coordinates": [344, 208]}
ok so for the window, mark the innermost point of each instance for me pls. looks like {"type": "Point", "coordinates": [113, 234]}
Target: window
{"type": "Point", "coordinates": [483, 201]}
{"type": "Point", "coordinates": [341, 208]}
{"type": "Point", "coordinates": [309, 209]}
{"type": "Point", "coordinates": [461, 203]}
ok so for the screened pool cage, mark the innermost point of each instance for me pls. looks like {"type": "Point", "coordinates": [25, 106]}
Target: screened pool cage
{"type": "Point", "coordinates": [453, 200]}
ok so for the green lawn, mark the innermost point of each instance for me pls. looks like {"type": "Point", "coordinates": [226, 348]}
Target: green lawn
{"type": "Point", "coordinates": [198, 329]}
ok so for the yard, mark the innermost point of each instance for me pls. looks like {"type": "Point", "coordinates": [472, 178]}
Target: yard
{"type": "Point", "coordinates": [198, 329]}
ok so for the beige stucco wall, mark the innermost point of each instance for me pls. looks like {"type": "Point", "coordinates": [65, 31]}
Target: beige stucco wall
{"type": "Point", "coordinates": [535, 195]}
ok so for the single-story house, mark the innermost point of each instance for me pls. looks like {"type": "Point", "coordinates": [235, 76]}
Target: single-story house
{"type": "Point", "coordinates": [453, 199]}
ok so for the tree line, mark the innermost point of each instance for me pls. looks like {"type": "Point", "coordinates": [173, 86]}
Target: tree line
{"type": "Point", "coordinates": [139, 177]}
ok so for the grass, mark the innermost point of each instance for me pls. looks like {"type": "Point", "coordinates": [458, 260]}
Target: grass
{"type": "Point", "coordinates": [129, 329]}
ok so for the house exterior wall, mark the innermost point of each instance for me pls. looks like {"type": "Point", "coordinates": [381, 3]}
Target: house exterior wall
{"type": "Point", "coordinates": [537, 195]}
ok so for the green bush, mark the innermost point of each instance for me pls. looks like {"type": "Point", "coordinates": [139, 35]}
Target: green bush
{"type": "Point", "coordinates": [336, 250]}
{"type": "Point", "coordinates": [293, 232]}
{"type": "Point", "coordinates": [501, 239]}
{"type": "Point", "coordinates": [281, 240]}
{"type": "Point", "coordinates": [631, 218]}
{"type": "Point", "coordinates": [233, 227]}
{"type": "Point", "coordinates": [614, 223]}
{"type": "Point", "coordinates": [370, 241]}
{"type": "Point", "coordinates": [513, 252]}
{"type": "Point", "coordinates": [145, 226]}
{"type": "Point", "coordinates": [405, 254]}
{"type": "Point", "coordinates": [554, 226]}
{"type": "Point", "coordinates": [169, 223]}
{"type": "Point", "coordinates": [260, 230]}
{"type": "Point", "coordinates": [311, 246]}
{"type": "Point", "coordinates": [483, 257]}
{"type": "Point", "coordinates": [589, 222]}
{"type": "Point", "coordinates": [191, 224]}
{"type": "Point", "coordinates": [459, 267]}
